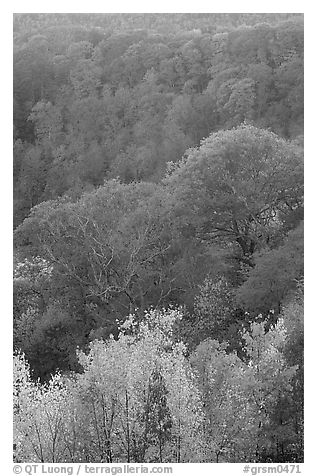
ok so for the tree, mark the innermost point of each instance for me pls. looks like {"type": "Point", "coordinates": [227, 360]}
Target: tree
{"type": "Point", "coordinates": [85, 78]}
{"type": "Point", "coordinates": [193, 115]}
{"type": "Point", "coordinates": [229, 414]}
{"type": "Point", "coordinates": [40, 417]}
{"type": "Point", "coordinates": [31, 183]}
{"type": "Point", "coordinates": [240, 105]}
{"type": "Point", "coordinates": [105, 263]}
{"type": "Point", "coordinates": [215, 314]}
{"type": "Point", "coordinates": [269, 385]}
{"type": "Point", "coordinates": [275, 275]}
{"type": "Point", "coordinates": [293, 316]}
{"type": "Point", "coordinates": [47, 120]}
{"type": "Point", "coordinates": [237, 186]}
{"type": "Point", "coordinates": [127, 404]}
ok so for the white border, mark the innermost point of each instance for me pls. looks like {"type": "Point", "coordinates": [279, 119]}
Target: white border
{"type": "Point", "coordinates": [310, 184]}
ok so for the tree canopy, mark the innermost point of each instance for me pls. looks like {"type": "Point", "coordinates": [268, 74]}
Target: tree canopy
{"type": "Point", "coordinates": [158, 237]}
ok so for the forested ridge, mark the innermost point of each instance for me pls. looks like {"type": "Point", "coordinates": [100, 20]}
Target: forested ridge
{"type": "Point", "coordinates": [158, 215]}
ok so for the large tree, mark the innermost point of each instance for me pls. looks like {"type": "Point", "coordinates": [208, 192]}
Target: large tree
{"type": "Point", "coordinates": [237, 187]}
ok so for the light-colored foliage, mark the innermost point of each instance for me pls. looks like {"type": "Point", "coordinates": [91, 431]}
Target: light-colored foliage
{"type": "Point", "coordinates": [105, 413]}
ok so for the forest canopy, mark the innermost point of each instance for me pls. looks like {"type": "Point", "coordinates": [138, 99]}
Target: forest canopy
{"type": "Point", "coordinates": [158, 237]}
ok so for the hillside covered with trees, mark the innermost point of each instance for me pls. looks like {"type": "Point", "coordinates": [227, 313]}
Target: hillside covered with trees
{"type": "Point", "coordinates": [158, 215]}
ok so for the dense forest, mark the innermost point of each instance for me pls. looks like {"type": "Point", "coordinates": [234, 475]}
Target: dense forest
{"type": "Point", "coordinates": [158, 237]}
